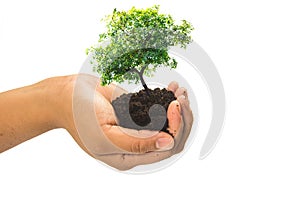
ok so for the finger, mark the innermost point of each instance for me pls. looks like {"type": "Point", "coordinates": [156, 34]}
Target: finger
{"type": "Point", "coordinates": [138, 133]}
{"type": "Point", "coordinates": [181, 91]}
{"type": "Point", "coordinates": [185, 108]}
{"type": "Point", "coordinates": [159, 141]}
{"type": "Point", "coordinates": [187, 117]}
{"type": "Point", "coordinates": [173, 86]}
{"type": "Point", "coordinates": [174, 117]}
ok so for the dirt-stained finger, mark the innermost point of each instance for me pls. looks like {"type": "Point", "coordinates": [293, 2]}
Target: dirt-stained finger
{"type": "Point", "coordinates": [174, 117]}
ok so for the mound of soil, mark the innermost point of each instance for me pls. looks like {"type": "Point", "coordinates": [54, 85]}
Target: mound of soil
{"type": "Point", "coordinates": [135, 110]}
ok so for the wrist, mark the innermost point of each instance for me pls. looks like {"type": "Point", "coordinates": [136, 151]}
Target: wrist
{"type": "Point", "coordinates": [57, 94]}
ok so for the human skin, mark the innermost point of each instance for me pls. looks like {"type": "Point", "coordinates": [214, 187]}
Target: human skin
{"type": "Point", "coordinates": [32, 110]}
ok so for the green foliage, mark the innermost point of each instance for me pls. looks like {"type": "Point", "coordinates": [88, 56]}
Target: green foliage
{"type": "Point", "coordinates": [138, 38]}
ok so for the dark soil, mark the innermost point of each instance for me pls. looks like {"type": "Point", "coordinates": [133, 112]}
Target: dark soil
{"type": "Point", "coordinates": [133, 109]}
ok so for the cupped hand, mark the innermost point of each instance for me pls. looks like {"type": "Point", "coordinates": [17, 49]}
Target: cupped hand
{"type": "Point", "coordinates": [94, 127]}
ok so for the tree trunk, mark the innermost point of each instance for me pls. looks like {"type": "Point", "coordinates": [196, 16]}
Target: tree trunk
{"type": "Point", "coordinates": [142, 78]}
{"type": "Point", "coordinates": [143, 82]}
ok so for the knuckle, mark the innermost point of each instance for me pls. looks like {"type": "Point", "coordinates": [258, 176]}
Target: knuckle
{"type": "Point", "coordinates": [139, 147]}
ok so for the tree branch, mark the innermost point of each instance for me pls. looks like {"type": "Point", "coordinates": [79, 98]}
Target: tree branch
{"type": "Point", "coordinates": [140, 73]}
{"type": "Point", "coordinates": [143, 69]}
{"type": "Point", "coordinates": [135, 70]}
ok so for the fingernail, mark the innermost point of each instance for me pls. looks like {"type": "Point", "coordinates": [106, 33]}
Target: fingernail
{"type": "Point", "coordinates": [164, 143]}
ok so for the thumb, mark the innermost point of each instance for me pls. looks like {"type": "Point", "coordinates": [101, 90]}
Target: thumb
{"type": "Point", "coordinates": [138, 141]}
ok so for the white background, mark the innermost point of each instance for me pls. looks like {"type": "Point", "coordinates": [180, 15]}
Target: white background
{"type": "Point", "coordinates": [255, 46]}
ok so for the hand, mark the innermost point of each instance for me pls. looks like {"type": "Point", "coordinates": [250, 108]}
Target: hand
{"type": "Point", "coordinates": [93, 125]}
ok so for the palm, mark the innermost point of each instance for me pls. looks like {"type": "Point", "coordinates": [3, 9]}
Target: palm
{"type": "Point", "coordinates": [99, 135]}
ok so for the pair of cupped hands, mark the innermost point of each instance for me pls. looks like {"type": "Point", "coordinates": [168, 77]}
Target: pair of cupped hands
{"type": "Point", "coordinates": [95, 127]}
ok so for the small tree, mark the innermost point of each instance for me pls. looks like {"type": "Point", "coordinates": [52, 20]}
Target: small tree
{"type": "Point", "coordinates": [137, 43]}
